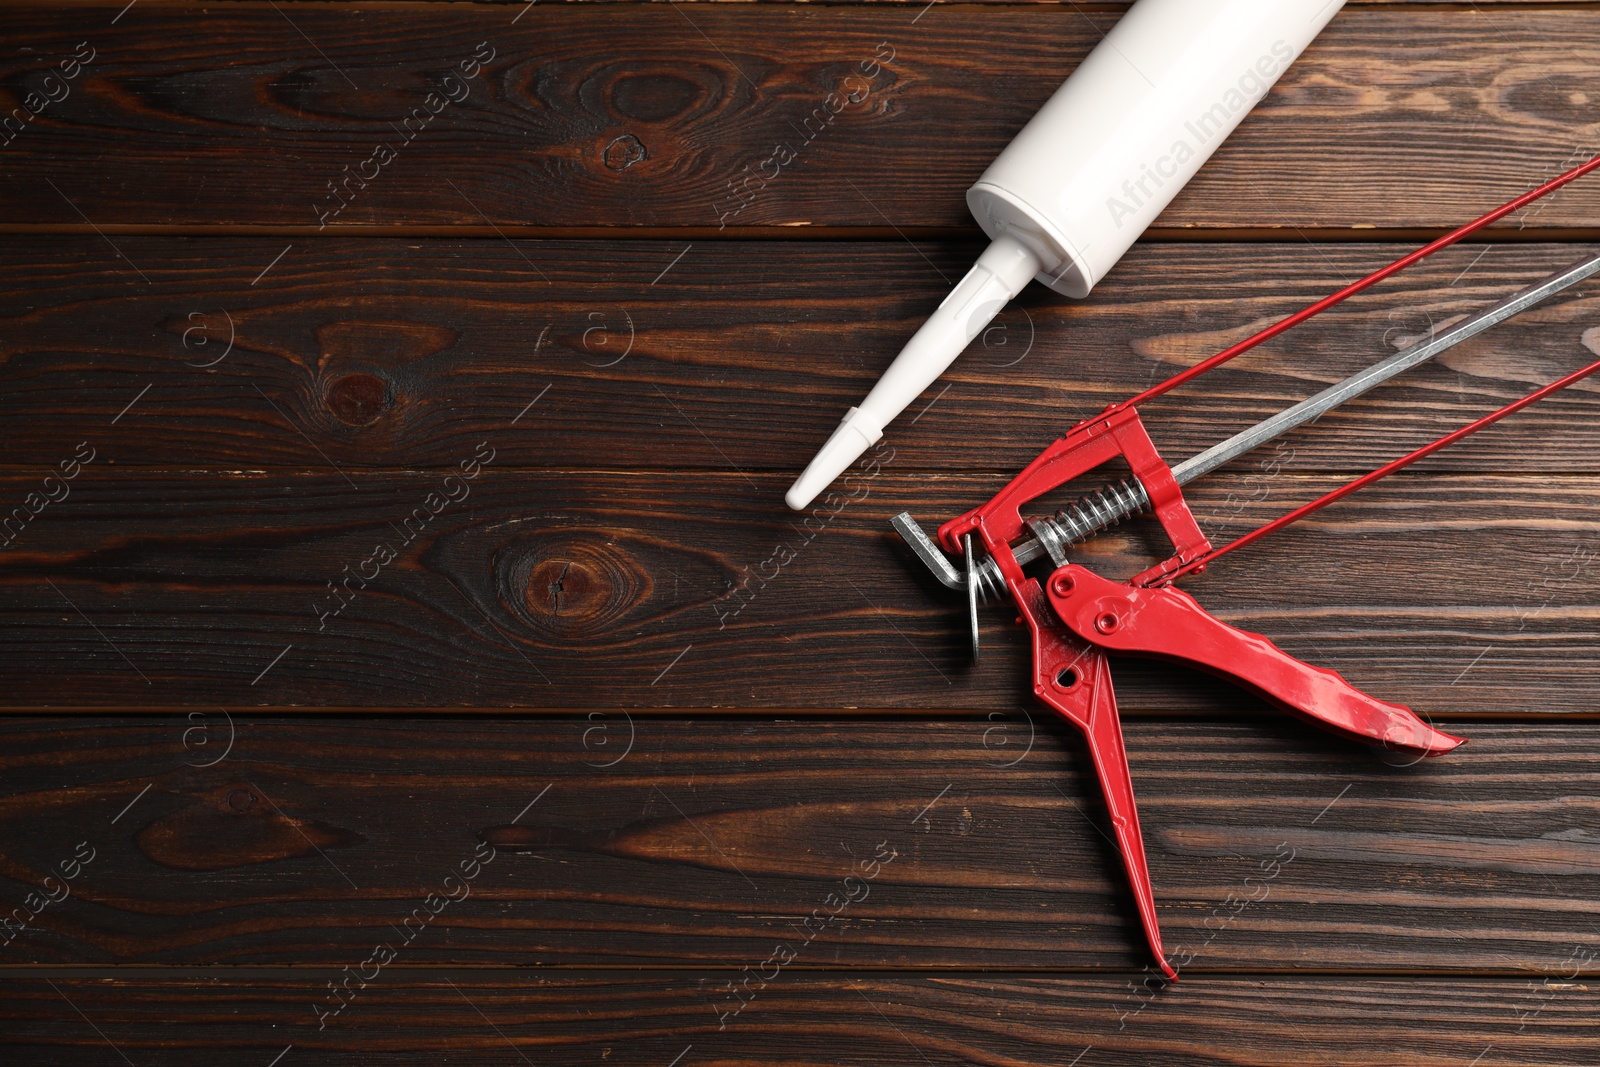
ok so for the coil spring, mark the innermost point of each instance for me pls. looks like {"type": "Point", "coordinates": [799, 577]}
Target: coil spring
{"type": "Point", "coordinates": [1088, 515]}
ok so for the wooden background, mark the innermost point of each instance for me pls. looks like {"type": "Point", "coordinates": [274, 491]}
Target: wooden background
{"type": "Point", "coordinates": [585, 657]}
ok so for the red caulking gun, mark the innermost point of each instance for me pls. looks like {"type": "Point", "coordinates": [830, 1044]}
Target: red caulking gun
{"type": "Point", "coordinates": [1077, 617]}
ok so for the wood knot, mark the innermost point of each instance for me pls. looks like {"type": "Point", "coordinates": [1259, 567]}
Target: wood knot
{"type": "Point", "coordinates": [623, 152]}
{"type": "Point", "coordinates": [577, 584]}
{"type": "Point", "coordinates": [234, 827]}
{"type": "Point", "coordinates": [358, 399]}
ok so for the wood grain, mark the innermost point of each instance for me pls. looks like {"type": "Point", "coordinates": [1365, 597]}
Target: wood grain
{"type": "Point", "coordinates": [741, 355]}
{"type": "Point", "coordinates": [1460, 595]}
{"type": "Point", "coordinates": [618, 117]}
{"type": "Point", "coordinates": [520, 1017]}
{"type": "Point", "coordinates": [699, 841]}
{"type": "Point", "coordinates": [218, 398]}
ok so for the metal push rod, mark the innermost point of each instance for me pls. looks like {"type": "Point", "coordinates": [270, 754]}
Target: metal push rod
{"type": "Point", "coordinates": [1365, 283]}
{"type": "Point", "coordinates": [1104, 508]}
{"type": "Point", "coordinates": [1389, 468]}
{"type": "Point", "coordinates": [1382, 371]}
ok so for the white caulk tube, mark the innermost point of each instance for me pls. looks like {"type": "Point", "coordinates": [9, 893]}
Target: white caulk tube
{"type": "Point", "coordinates": [1087, 175]}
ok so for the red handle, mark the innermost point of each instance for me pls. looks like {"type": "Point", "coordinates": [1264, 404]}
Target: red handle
{"type": "Point", "coordinates": [1074, 679]}
{"type": "Point", "coordinates": [1169, 624]}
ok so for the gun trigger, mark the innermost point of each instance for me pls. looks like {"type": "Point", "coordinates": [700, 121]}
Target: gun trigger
{"type": "Point", "coordinates": [1074, 679]}
{"type": "Point", "coordinates": [1167, 623]}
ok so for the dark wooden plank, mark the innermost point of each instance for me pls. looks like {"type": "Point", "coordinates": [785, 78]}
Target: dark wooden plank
{"type": "Point", "coordinates": [698, 841]}
{"type": "Point", "coordinates": [1097, 7]}
{"type": "Point", "coordinates": [388, 353]}
{"type": "Point", "coordinates": [610, 116]}
{"type": "Point", "coordinates": [799, 1020]}
{"type": "Point", "coordinates": [1458, 595]}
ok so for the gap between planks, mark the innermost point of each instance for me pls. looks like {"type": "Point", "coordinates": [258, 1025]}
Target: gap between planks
{"type": "Point", "coordinates": [1286, 234]}
{"type": "Point", "coordinates": [747, 713]}
{"type": "Point", "coordinates": [422, 973]}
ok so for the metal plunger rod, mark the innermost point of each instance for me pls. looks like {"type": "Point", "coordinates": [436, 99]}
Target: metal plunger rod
{"type": "Point", "coordinates": [1111, 504]}
{"type": "Point", "coordinates": [1389, 468]}
{"type": "Point", "coordinates": [1382, 371]}
{"type": "Point", "coordinates": [1365, 283]}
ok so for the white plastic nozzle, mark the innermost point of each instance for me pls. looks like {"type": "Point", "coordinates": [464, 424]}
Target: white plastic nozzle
{"type": "Point", "coordinates": [1000, 274]}
{"type": "Point", "coordinates": [854, 436]}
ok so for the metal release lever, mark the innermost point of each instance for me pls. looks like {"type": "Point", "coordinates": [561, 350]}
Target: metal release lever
{"type": "Point", "coordinates": [979, 584]}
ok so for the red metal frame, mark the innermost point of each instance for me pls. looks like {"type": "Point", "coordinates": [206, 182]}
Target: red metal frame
{"type": "Point", "coordinates": [1117, 431]}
